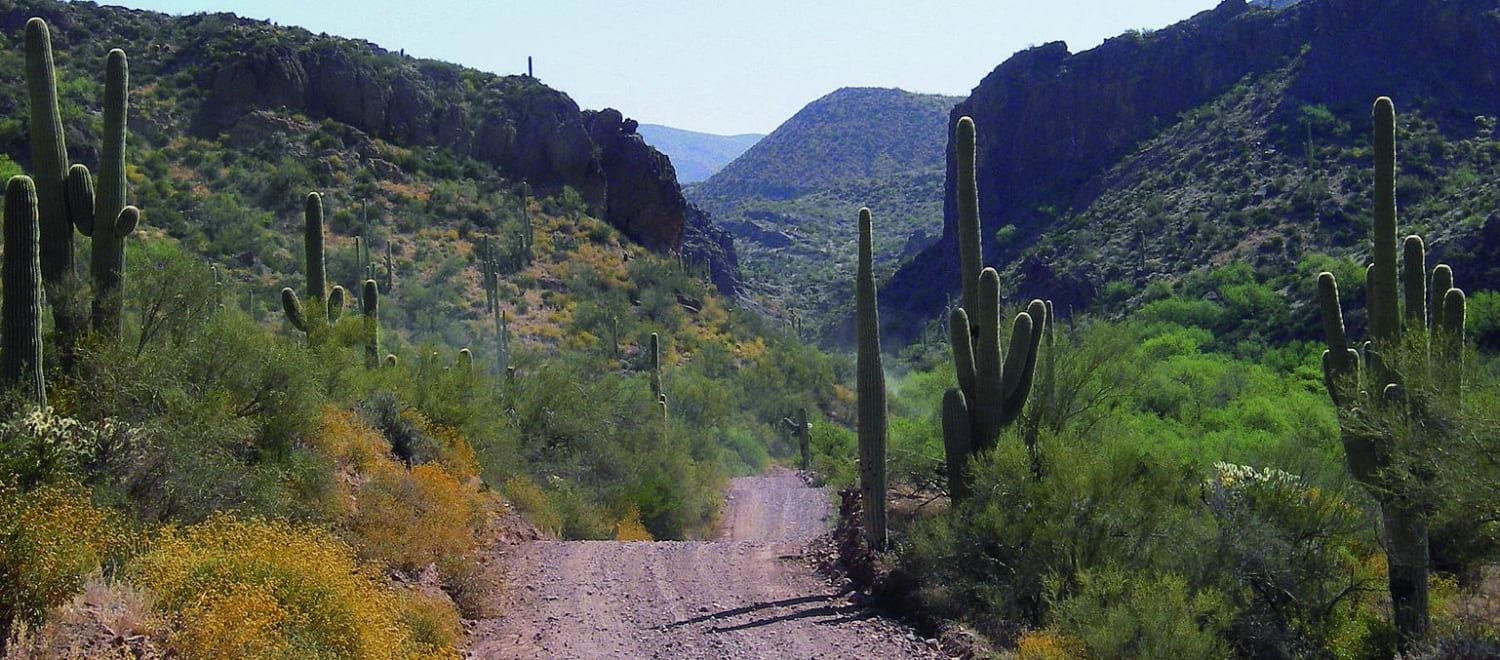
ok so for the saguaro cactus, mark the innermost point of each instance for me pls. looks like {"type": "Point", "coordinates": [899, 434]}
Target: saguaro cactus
{"type": "Point", "coordinates": [113, 221]}
{"type": "Point", "coordinates": [654, 356]}
{"type": "Point", "coordinates": [49, 168]}
{"type": "Point", "coordinates": [1362, 383]}
{"type": "Point", "coordinates": [993, 386]}
{"type": "Point", "coordinates": [315, 318]}
{"type": "Point", "coordinates": [804, 437]}
{"type": "Point", "coordinates": [370, 302]}
{"type": "Point", "coordinates": [870, 382]}
{"type": "Point", "coordinates": [21, 310]}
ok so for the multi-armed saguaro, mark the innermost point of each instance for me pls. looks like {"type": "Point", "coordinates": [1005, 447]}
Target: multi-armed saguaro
{"type": "Point", "coordinates": [870, 387]}
{"type": "Point", "coordinates": [316, 316]}
{"type": "Point", "coordinates": [101, 213]}
{"type": "Point", "coordinates": [992, 387]}
{"type": "Point", "coordinates": [21, 310]}
{"type": "Point", "coordinates": [66, 195]}
{"type": "Point", "coordinates": [1367, 382]}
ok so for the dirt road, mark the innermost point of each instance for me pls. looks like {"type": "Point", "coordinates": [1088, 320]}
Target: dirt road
{"type": "Point", "coordinates": [748, 595]}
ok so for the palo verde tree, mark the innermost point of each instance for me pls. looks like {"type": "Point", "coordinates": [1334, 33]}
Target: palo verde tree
{"type": "Point", "coordinates": [1366, 384]}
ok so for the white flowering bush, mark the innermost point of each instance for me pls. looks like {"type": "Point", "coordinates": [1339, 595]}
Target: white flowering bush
{"type": "Point", "coordinates": [42, 445]}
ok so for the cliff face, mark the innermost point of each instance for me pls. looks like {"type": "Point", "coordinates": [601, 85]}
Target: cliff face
{"type": "Point", "coordinates": [522, 127]}
{"type": "Point", "coordinates": [1052, 123]}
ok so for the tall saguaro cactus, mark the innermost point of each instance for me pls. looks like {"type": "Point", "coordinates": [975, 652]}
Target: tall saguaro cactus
{"type": "Point", "coordinates": [1362, 383]}
{"type": "Point", "coordinates": [370, 303]}
{"type": "Point", "coordinates": [21, 310]}
{"type": "Point", "coordinates": [993, 386]}
{"type": "Point", "coordinates": [113, 221]}
{"type": "Point", "coordinates": [49, 167]}
{"type": "Point", "coordinates": [653, 355]}
{"type": "Point", "coordinates": [315, 318]}
{"type": "Point", "coordinates": [870, 381]}
{"type": "Point", "coordinates": [804, 437]}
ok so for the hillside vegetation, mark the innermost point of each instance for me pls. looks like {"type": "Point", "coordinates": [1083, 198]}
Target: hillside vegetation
{"type": "Point", "coordinates": [1231, 136]}
{"type": "Point", "coordinates": [790, 199]}
{"type": "Point", "coordinates": [220, 478]}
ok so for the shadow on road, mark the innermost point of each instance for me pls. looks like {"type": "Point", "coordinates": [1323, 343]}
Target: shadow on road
{"type": "Point", "coordinates": [821, 606]}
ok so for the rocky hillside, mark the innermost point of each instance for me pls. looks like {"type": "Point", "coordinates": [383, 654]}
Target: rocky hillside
{"type": "Point", "coordinates": [1239, 134]}
{"type": "Point", "coordinates": [697, 156]}
{"type": "Point", "coordinates": [243, 85]}
{"type": "Point", "coordinates": [791, 199]}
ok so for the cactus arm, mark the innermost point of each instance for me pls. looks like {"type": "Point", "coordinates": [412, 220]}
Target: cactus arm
{"type": "Point", "coordinates": [988, 361]}
{"type": "Point", "coordinates": [293, 308]}
{"type": "Point", "coordinates": [958, 442]}
{"type": "Point", "coordinates": [126, 223]}
{"type": "Point", "coordinates": [1015, 385]}
{"type": "Point", "coordinates": [21, 308]}
{"type": "Point", "coordinates": [1442, 280]}
{"type": "Point", "coordinates": [80, 190]}
{"type": "Point", "coordinates": [1414, 281]}
{"type": "Point", "coordinates": [1455, 307]}
{"type": "Point", "coordinates": [1020, 373]}
{"type": "Point", "coordinates": [336, 303]}
{"type": "Point", "coordinates": [963, 351]}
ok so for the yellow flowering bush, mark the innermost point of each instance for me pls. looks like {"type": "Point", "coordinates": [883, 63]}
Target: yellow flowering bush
{"type": "Point", "coordinates": [51, 539]}
{"type": "Point", "coordinates": [238, 588]}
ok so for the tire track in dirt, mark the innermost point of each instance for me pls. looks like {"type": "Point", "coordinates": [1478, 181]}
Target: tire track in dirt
{"type": "Point", "coordinates": [748, 595]}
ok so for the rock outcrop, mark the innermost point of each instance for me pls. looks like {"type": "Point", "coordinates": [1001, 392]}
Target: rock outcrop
{"type": "Point", "coordinates": [1052, 122]}
{"type": "Point", "coordinates": [524, 128]}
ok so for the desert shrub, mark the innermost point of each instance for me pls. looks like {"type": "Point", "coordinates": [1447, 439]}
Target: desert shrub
{"type": "Point", "coordinates": [1297, 559]}
{"type": "Point", "coordinates": [43, 446]}
{"type": "Point", "coordinates": [533, 504]}
{"type": "Point", "coordinates": [1096, 504]}
{"type": "Point", "coordinates": [51, 539]}
{"type": "Point", "coordinates": [255, 588]}
{"type": "Point", "coordinates": [434, 623]}
{"type": "Point", "coordinates": [408, 520]}
{"type": "Point", "coordinates": [1120, 614]}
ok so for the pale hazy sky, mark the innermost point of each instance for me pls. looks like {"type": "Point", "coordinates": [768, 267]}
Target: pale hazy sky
{"type": "Point", "coordinates": [716, 66]}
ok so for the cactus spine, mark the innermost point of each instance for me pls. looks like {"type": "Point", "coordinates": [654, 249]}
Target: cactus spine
{"type": "Point", "coordinates": [318, 315]}
{"type": "Point", "coordinates": [21, 310]}
{"type": "Point", "coordinates": [993, 386]}
{"type": "Point", "coordinates": [370, 303]}
{"type": "Point", "coordinates": [870, 382]}
{"type": "Point", "coordinates": [49, 165]}
{"type": "Point", "coordinates": [1361, 382]}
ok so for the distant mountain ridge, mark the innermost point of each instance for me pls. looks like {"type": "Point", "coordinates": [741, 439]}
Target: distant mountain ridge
{"type": "Point", "coordinates": [791, 199]}
{"type": "Point", "coordinates": [696, 156]}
